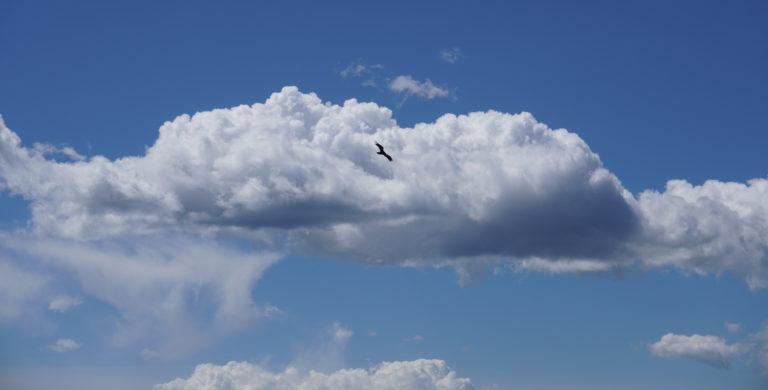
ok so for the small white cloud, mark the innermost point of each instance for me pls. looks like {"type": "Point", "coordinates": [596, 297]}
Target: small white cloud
{"type": "Point", "coordinates": [63, 303]}
{"type": "Point", "coordinates": [148, 354]}
{"type": "Point", "coordinates": [710, 350]}
{"type": "Point", "coordinates": [372, 333]}
{"type": "Point", "coordinates": [340, 333]}
{"type": "Point", "coordinates": [64, 345]}
{"type": "Point", "coordinates": [414, 338]}
{"type": "Point", "coordinates": [451, 55]}
{"type": "Point", "coordinates": [271, 311]}
{"type": "Point", "coordinates": [409, 86]}
{"type": "Point", "coordinates": [733, 327]}
{"type": "Point", "coordinates": [420, 374]}
{"type": "Point", "coordinates": [357, 70]}
{"type": "Point", "coordinates": [563, 266]}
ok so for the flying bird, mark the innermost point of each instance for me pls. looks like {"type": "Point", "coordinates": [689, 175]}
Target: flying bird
{"type": "Point", "coordinates": [382, 152]}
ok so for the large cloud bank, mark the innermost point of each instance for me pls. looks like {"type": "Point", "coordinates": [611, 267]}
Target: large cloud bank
{"type": "Point", "coordinates": [408, 375]}
{"type": "Point", "coordinates": [297, 174]}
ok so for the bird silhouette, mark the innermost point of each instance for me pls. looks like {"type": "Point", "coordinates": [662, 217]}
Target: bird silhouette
{"type": "Point", "coordinates": [382, 152]}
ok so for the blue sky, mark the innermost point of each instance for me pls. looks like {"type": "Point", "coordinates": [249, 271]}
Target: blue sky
{"type": "Point", "coordinates": [572, 287]}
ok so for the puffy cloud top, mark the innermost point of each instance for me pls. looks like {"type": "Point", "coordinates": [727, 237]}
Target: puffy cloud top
{"type": "Point", "coordinates": [409, 375]}
{"type": "Point", "coordinates": [295, 173]}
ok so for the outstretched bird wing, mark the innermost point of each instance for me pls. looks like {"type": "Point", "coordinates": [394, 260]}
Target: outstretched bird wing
{"type": "Point", "coordinates": [382, 152]}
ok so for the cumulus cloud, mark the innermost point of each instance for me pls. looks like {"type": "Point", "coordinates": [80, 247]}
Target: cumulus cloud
{"type": "Point", "coordinates": [710, 350]}
{"type": "Point", "coordinates": [64, 345]}
{"type": "Point", "coordinates": [451, 55]}
{"type": "Point", "coordinates": [63, 303]}
{"type": "Point", "coordinates": [299, 175]}
{"type": "Point", "coordinates": [406, 375]}
{"type": "Point", "coordinates": [409, 86]}
{"type": "Point", "coordinates": [713, 227]}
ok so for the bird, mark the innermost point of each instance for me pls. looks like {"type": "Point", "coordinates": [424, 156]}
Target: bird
{"type": "Point", "coordinates": [382, 152]}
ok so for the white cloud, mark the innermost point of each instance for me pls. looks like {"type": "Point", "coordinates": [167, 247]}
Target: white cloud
{"type": "Point", "coordinates": [414, 338]}
{"type": "Point", "coordinates": [63, 303]}
{"type": "Point", "coordinates": [409, 86]}
{"type": "Point", "coordinates": [357, 70]}
{"type": "Point", "coordinates": [733, 327]}
{"type": "Point", "coordinates": [710, 350]}
{"type": "Point", "coordinates": [46, 149]}
{"type": "Point", "coordinates": [564, 266]}
{"type": "Point", "coordinates": [713, 227]}
{"type": "Point", "coordinates": [297, 174]}
{"type": "Point", "coordinates": [159, 284]}
{"type": "Point", "coordinates": [64, 345]}
{"type": "Point", "coordinates": [451, 55]}
{"type": "Point", "coordinates": [407, 375]}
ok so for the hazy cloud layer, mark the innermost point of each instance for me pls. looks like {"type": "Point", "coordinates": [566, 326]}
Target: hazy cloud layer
{"type": "Point", "coordinates": [710, 350]}
{"type": "Point", "coordinates": [297, 174]}
{"type": "Point", "coordinates": [408, 375]}
{"type": "Point", "coordinates": [20, 290]}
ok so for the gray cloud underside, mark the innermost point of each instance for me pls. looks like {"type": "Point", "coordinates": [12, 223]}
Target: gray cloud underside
{"type": "Point", "coordinates": [297, 174]}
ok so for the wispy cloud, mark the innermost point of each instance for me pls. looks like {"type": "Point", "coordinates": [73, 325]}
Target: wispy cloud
{"type": "Point", "coordinates": [148, 354]}
{"type": "Point", "coordinates": [328, 353]}
{"type": "Point", "coordinates": [358, 70]}
{"type": "Point", "coordinates": [409, 86]}
{"type": "Point", "coordinates": [63, 303]}
{"type": "Point", "coordinates": [451, 55]}
{"type": "Point", "coordinates": [64, 345]}
{"type": "Point", "coordinates": [158, 284]}
{"type": "Point", "coordinates": [733, 327]}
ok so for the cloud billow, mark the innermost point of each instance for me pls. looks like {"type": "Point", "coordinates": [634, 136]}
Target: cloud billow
{"type": "Point", "coordinates": [419, 374]}
{"type": "Point", "coordinates": [297, 174]}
